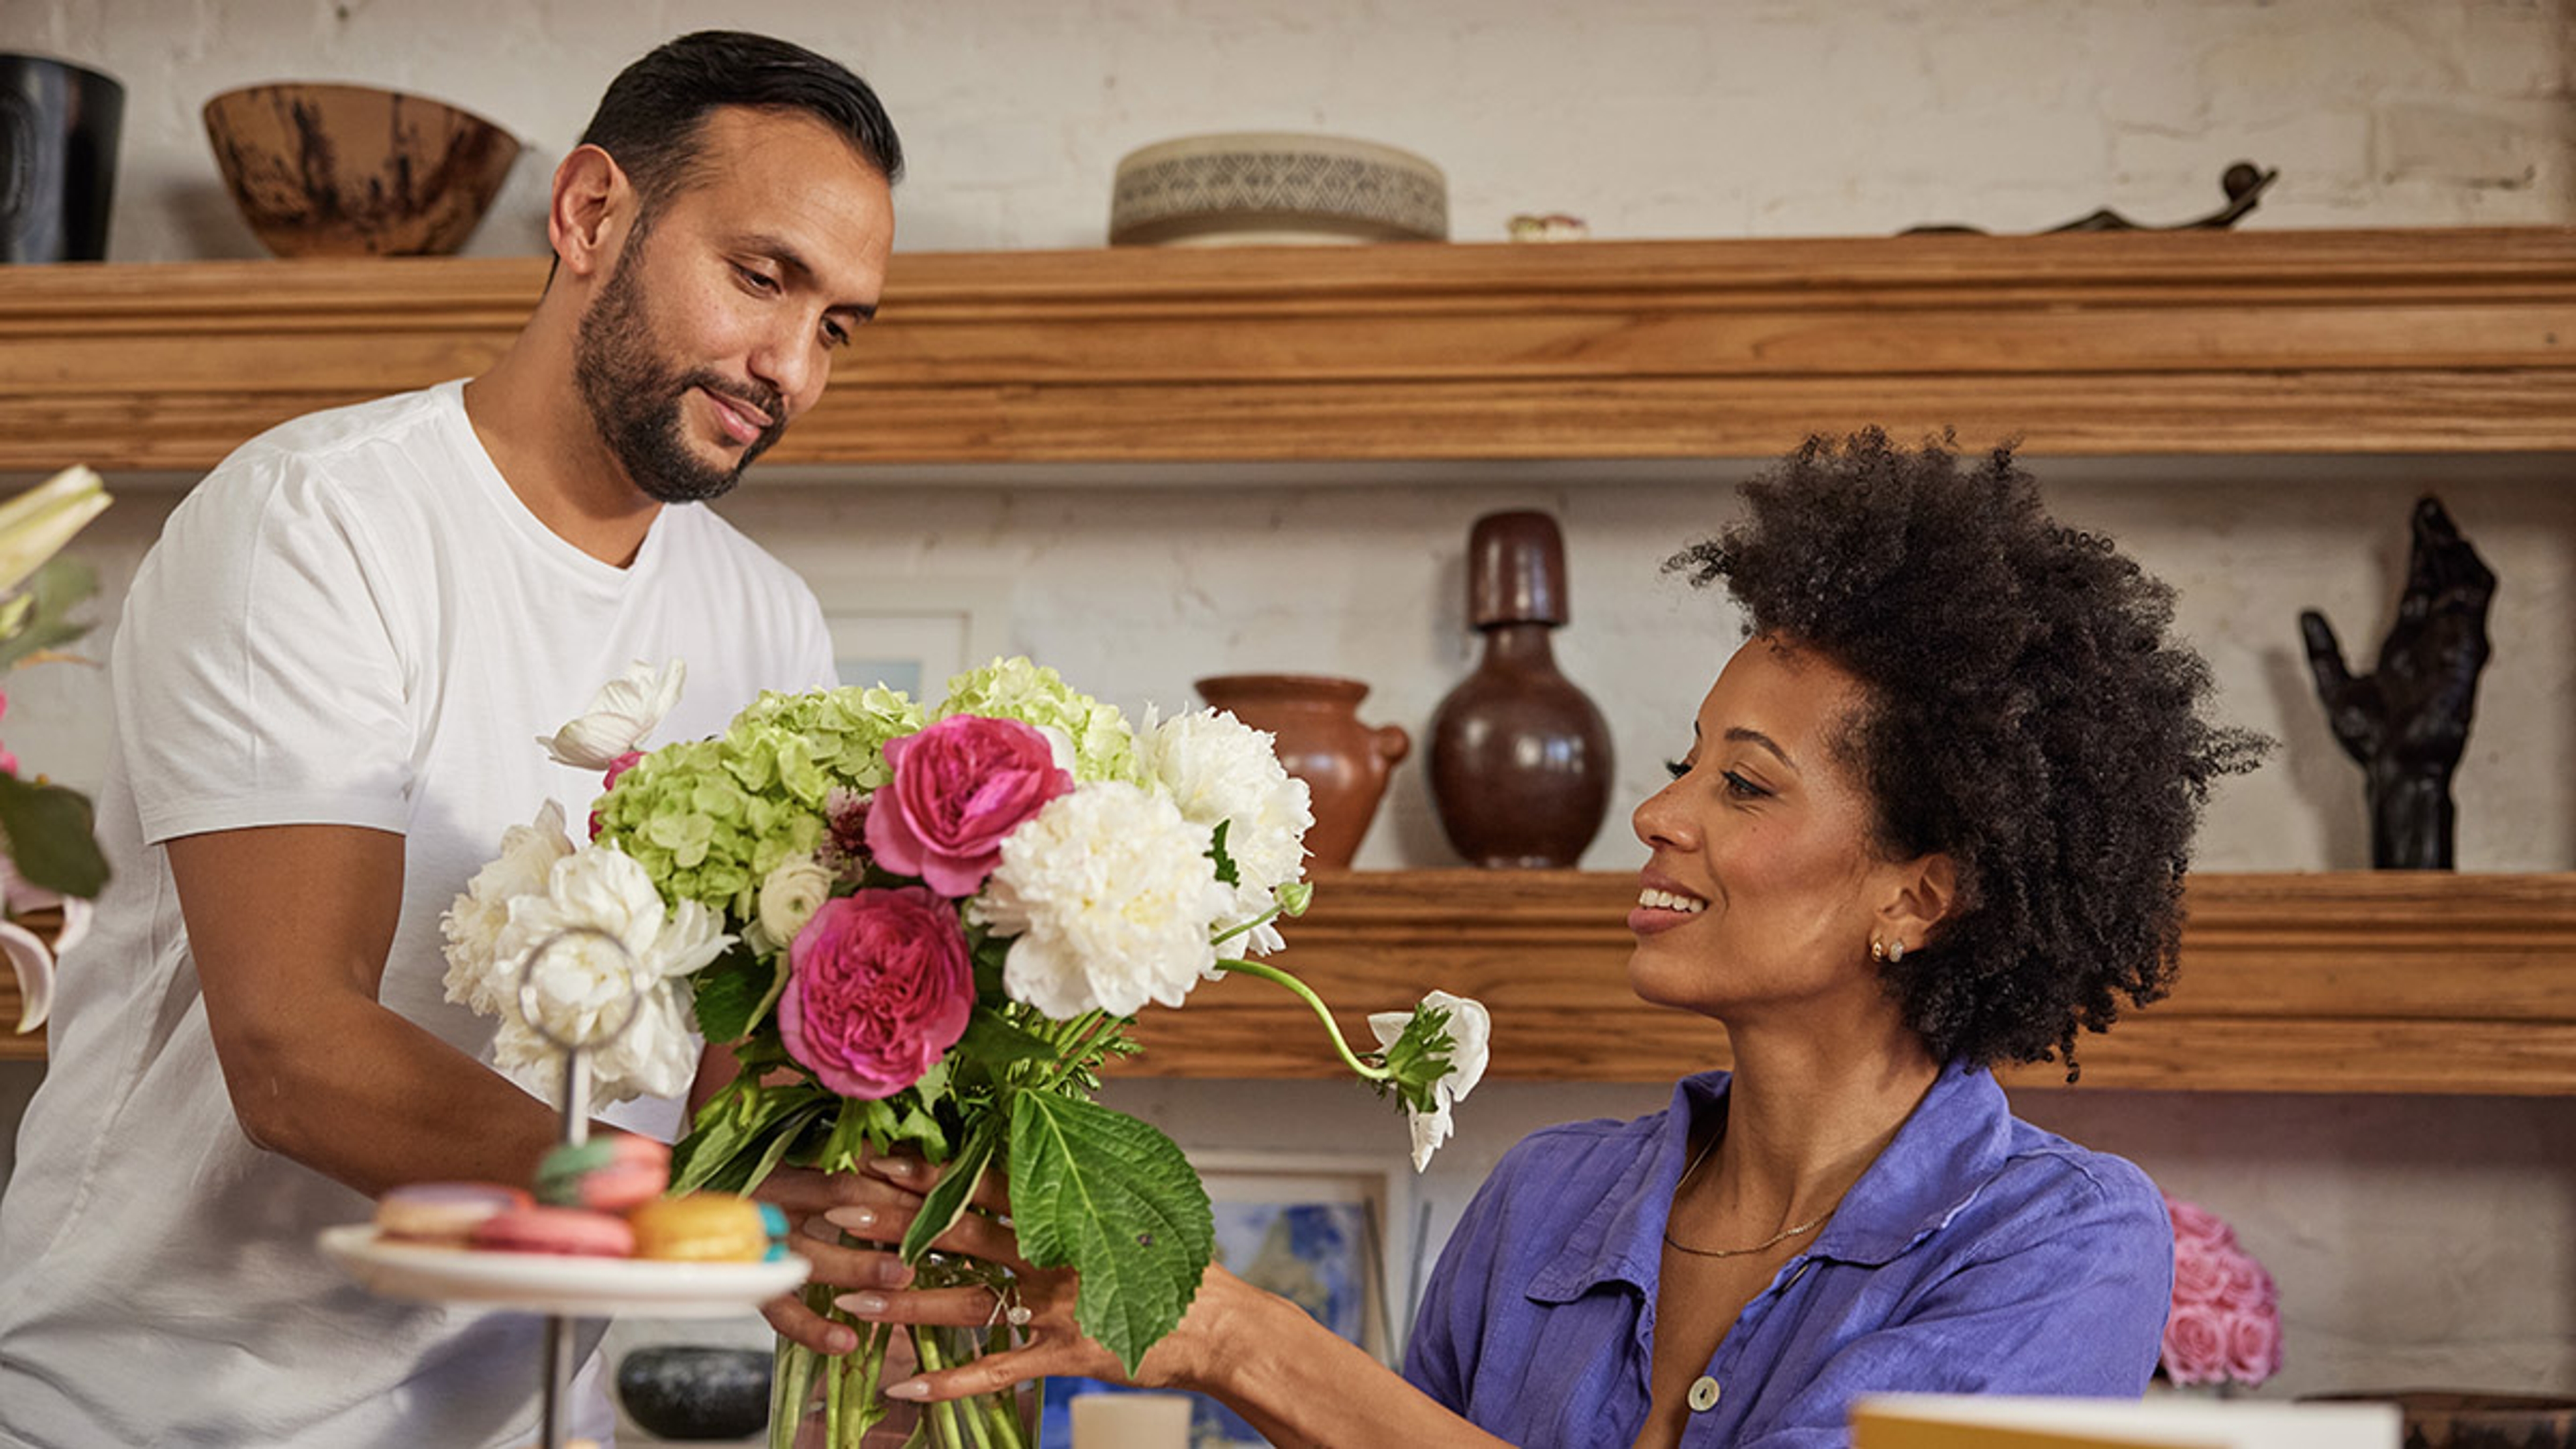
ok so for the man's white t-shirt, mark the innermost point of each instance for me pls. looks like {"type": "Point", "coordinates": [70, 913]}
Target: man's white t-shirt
{"type": "Point", "coordinates": [352, 621]}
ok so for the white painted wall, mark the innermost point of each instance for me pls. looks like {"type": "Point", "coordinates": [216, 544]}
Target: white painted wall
{"type": "Point", "coordinates": [2419, 1241]}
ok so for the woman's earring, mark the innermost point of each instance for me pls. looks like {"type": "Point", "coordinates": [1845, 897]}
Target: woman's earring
{"type": "Point", "coordinates": [1895, 952]}
{"type": "Point", "coordinates": [1877, 950]}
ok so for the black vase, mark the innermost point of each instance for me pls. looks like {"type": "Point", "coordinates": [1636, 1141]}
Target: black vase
{"type": "Point", "coordinates": [58, 130]}
{"type": "Point", "coordinates": [1520, 759]}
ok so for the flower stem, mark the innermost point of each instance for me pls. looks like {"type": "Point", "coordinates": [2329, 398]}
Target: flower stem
{"type": "Point", "coordinates": [1233, 966]}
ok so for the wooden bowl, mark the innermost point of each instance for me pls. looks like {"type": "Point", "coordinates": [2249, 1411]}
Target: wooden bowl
{"type": "Point", "coordinates": [339, 170]}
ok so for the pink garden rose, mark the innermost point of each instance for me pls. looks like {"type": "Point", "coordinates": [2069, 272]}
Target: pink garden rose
{"type": "Point", "coordinates": [2245, 1287]}
{"type": "Point", "coordinates": [2200, 1271]}
{"type": "Point", "coordinates": [959, 787]}
{"type": "Point", "coordinates": [2193, 1223]}
{"type": "Point", "coordinates": [2254, 1346]}
{"type": "Point", "coordinates": [879, 987]}
{"type": "Point", "coordinates": [2195, 1349]}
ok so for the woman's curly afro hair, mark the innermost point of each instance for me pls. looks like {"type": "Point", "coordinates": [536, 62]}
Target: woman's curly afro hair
{"type": "Point", "coordinates": [2027, 715]}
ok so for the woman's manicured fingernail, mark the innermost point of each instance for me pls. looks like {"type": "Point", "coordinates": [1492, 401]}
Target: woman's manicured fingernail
{"type": "Point", "coordinates": [892, 1273]}
{"type": "Point", "coordinates": [841, 1340]}
{"type": "Point", "coordinates": [856, 1219]}
{"type": "Point", "coordinates": [908, 1389]}
{"type": "Point", "coordinates": [821, 1231]}
{"type": "Point", "coordinates": [865, 1305]}
{"type": "Point", "coordinates": [900, 1168]}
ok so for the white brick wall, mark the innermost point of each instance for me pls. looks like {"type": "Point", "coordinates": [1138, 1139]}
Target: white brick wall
{"type": "Point", "coordinates": [1650, 118]}
{"type": "Point", "coordinates": [2442, 1250]}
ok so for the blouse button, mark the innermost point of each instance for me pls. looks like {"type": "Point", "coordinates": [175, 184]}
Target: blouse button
{"type": "Point", "coordinates": [1703, 1394]}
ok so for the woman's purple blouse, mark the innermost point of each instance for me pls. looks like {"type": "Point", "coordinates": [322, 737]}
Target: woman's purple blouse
{"type": "Point", "coordinates": [1977, 1255]}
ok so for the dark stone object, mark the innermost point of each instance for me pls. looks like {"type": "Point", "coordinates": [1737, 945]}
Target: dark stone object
{"type": "Point", "coordinates": [1520, 759]}
{"type": "Point", "coordinates": [688, 1392]}
{"type": "Point", "coordinates": [2450, 1419]}
{"type": "Point", "coordinates": [2408, 721]}
{"type": "Point", "coordinates": [58, 130]}
{"type": "Point", "coordinates": [2244, 184]}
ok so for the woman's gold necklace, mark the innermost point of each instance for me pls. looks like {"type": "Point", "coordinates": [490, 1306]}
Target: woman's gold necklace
{"type": "Point", "coordinates": [1773, 1241]}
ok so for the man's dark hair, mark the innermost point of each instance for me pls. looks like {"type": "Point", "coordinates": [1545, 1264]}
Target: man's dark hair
{"type": "Point", "coordinates": [652, 114]}
{"type": "Point", "coordinates": [2027, 713]}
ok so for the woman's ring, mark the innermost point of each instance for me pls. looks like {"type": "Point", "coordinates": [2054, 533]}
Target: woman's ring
{"type": "Point", "coordinates": [1007, 1307]}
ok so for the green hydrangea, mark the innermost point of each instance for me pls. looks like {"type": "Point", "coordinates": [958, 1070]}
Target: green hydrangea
{"type": "Point", "coordinates": [711, 818]}
{"type": "Point", "coordinates": [1104, 748]}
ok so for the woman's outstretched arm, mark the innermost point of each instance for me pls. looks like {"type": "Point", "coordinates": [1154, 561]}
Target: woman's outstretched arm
{"type": "Point", "coordinates": [1293, 1379]}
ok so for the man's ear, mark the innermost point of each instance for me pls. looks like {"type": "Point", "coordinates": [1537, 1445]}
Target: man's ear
{"type": "Point", "coordinates": [590, 211]}
{"type": "Point", "coordinates": [1925, 893]}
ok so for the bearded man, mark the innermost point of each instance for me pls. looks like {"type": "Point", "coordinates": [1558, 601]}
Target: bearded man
{"type": "Point", "coordinates": [329, 678]}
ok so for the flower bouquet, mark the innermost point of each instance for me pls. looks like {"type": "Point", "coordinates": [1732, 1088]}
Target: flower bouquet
{"type": "Point", "coordinates": [50, 864]}
{"type": "Point", "coordinates": [2225, 1328]}
{"type": "Point", "coordinates": [923, 929]}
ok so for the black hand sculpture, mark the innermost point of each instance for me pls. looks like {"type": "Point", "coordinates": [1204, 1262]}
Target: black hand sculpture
{"type": "Point", "coordinates": [2408, 722]}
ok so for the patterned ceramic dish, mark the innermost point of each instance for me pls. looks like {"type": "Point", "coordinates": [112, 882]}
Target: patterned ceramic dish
{"type": "Point", "coordinates": [1252, 188]}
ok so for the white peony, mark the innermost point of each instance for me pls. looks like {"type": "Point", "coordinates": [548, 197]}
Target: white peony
{"type": "Point", "coordinates": [790, 895]}
{"type": "Point", "coordinates": [623, 712]}
{"type": "Point", "coordinates": [1110, 895]}
{"type": "Point", "coordinates": [1217, 768]}
{"type": "Point", "coordinates": [1472, 1029]}
{"type": "Point", "coordinates": [583, 945]}
{"type": "Point", "coordinates": [474, 922]}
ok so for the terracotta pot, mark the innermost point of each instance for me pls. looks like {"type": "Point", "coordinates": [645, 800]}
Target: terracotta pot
{"type": "Point", "coordinates": [1520, 759]}
{"type": "Point", "coordinates": [1322, 742]}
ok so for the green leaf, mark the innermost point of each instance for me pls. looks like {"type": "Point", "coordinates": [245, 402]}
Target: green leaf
{"type": "Point", "coordinates": [731, 991]}
{"type": "Point", "coordinates": [735, 1130]}
{"type": "Point", "coordinates": [1226, 871]}
{"type": "Point", "coordinates": [44, 622]}
{"type": "Point", "coordinates": [994, 1043]}
{"type": "Point", "coordinates": [1110, 1197]}
{"type": "Point", "coordinates": [1420, 1056]}
{"type": "Point", "coordinates": [47, 832]}
{"type": "Point", "coordinates": [946, 1202]}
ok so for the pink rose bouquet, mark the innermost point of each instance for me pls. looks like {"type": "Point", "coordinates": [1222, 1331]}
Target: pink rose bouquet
{"type": "Point", "coordinates": [928, 929]}
{"type": "Point", "coordinates": [2225, 1327]}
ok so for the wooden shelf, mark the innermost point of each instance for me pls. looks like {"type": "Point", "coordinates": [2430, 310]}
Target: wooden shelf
{"type": "Point", "coordinates": [2359, 982]}
{"type": "Point", "coordinates": [2211, 342]}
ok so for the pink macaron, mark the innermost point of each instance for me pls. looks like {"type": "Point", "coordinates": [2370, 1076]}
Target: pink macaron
{"type": "Point", "coordinates": [442, 1212]}
{"type": "Point", "coordinates": [609, 1173]}
{"type": "Point", "coordinates": [570, 1231]}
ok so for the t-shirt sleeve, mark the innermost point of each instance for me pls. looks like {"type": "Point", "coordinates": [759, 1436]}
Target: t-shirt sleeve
{"type": "Point", "coordinates": [2065, 1292]}
{"type": "Point", "coordinates": [256, 674]}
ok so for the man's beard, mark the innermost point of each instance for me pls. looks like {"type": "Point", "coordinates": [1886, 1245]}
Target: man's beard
{"type": "Point", "coordinates": [635, 398]}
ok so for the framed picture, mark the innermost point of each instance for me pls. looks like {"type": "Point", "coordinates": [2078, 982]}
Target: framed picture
{"type": "Point", "coordinates": [1312, 1229]}
{"type": "Point", "coordinates": [912, 634]}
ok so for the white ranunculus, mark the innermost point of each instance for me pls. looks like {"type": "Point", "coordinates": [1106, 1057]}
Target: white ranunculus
{"type": "Point", "coordinates": [596, 936]}
{"type": "Point", "coordinates": [1471, 1027]}
{"type": "Point", "coordinates": [474, 922]}
{"type": "Point", "coordinates": [1217, 768]}
{"type": "Point", "coordinates": [623, 712]}
{"type": "Point", "coordinates": [793, 891]}
{"type": "Point", "coordinates": [1109, 895]}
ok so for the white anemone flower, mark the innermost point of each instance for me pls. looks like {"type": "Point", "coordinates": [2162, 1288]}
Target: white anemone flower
{"type": "Point", "coordinates": [1218, 769]}
{"type": "Point", "coordinates": [623, 712]}
{"type": "Point", "coordinates": [1109, 895]}
{"type": "Point", "coordinates": [474, 922]}
{"type": "Point", "coordinates": [578, 954]}
{"type": "Point", "coordinates": [1471, 1027]}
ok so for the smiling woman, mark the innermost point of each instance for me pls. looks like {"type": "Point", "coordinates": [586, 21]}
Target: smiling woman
{"type": "Point", "coordinates": [1933, 818]}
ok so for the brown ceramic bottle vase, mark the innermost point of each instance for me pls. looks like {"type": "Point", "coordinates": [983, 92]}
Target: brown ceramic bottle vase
{"type": "Point", "coordinates": [1520, 759]}
{"type": "Point", "coordinates": [1321, 741]}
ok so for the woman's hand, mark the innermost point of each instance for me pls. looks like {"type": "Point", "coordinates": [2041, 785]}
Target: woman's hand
{"type": "Point", "coordinates": [809, 1198]}
{"type": "Point", "coordinates": [1052, 1345]}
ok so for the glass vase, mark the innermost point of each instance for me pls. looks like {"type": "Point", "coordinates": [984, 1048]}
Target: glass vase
{"type": "Point", "coordinates": [822, 1401]}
